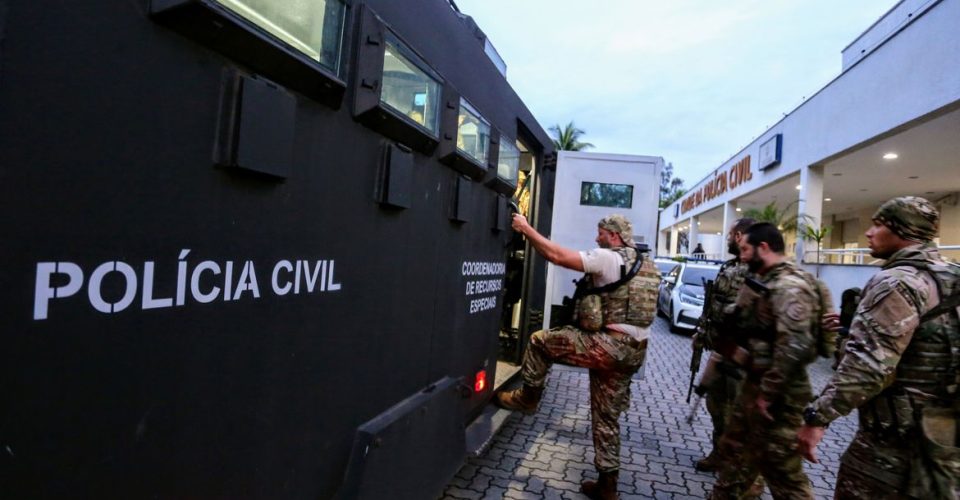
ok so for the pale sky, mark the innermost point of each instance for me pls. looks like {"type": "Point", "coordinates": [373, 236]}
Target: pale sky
{"type": "Point", "coordinates": [693, 81]}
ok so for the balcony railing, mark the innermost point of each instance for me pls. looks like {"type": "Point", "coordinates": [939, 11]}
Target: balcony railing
{"type": "Point", "coordinates": [861, 256]}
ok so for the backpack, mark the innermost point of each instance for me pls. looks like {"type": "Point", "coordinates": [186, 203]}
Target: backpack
{"type": "Point", "coordinates": [826, 341]}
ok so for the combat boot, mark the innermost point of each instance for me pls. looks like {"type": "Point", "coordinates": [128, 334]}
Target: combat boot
{"type": "Point", "coordinates": [525, 399]}
{"type": "Point", "coordinates": [604, 488]}
{"type": "Point", "coordinates": [709, 464]}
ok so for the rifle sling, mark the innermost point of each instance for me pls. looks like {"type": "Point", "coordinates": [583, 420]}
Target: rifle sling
{"type": "Point", "coordinates": [616, 284]}
{"type": "Point", "coordinates": [942, 308]}
{"type": "Point", "coordinates": [945, 305]}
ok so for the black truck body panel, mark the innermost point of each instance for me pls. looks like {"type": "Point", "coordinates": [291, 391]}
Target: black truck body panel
{"type": "Point", "coordinates": [213, 276]}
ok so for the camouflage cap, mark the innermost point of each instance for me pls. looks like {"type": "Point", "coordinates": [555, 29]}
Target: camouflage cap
{"type": "Point", "coordinates": [619, 224]}
{"type": "Point", "coordinates": [910, 217]}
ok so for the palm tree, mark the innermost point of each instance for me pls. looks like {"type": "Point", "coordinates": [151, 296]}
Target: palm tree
{"type": "Point", "coordinates": [568, 138]}
{"type": "Point", "coordinates": [785, 220]}
{"type": "Point", "coordinates": [811, 233]}
{"type": "Point", "coordinates": [671, 188]}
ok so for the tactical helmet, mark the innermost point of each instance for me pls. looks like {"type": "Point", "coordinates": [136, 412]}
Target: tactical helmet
{"type": "Point", "coordinates": [910, 217]}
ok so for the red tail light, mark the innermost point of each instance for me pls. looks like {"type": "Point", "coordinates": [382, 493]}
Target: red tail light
{"type": "Point", "coordinates": [480, 381]}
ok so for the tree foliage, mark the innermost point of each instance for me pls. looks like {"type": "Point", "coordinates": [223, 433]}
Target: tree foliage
{"type": "Point", "coordinates": [606, 195]}
{"type": "Point", "coordinates": [568, 137]}
{"type": "Point", "coordinates": [786, 220]}
{"type": "Point", "coordinates": [671, 188]}
{"type": "Point", "coordinates": [810, 233]}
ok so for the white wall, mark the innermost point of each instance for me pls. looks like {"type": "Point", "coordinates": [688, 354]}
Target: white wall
{"type": "Point", "coordinates": [575, 226]}
{"type": "Point", "coordinates": [713, 245]}
{"type": "Point", "coordinates": [895, 19]}
{"type": "Point", "coordinates": [909, 76]}
{"type": "Point", "coordinates": [950, 220]}
{"type": "Point", "coordinates": [841, 277]}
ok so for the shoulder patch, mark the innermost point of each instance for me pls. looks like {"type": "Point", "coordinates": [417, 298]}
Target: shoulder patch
{"type": "Point", "coordinates": [887, 280]}
{"type": "Point", "coordinates": [797, 311]}
{"type": "Point", "coordinates": [795, 297]}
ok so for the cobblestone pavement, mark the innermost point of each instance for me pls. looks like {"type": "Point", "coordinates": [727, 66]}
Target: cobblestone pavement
{"type": "Point", "coordinates": [547, 455]}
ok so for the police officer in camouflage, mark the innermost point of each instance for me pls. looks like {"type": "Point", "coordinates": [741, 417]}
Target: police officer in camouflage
{"type": "Point", "coordinates": [722, 390]}
{"type": "Point", "coordinates": [609, 337]}
{"type": "Point", "coordinates": [899, 367]}
{"type": "Point", "coordinates": [777, 319]}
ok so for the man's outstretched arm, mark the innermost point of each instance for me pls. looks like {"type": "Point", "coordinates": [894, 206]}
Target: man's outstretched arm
{"type": "Point", "coordinates": [551, 251]}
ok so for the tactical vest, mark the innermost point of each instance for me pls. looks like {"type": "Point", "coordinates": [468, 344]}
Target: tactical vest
{"type": "Point", "coordinates": [721, 296]}
{"type": "Point", "coordinates": [758, 324]}
{"type": "Point", "coordinates": [633, 303]}
{"type": "Point", "coordinates": [725, 289]}
{"type": "Point", "coordinates": [931, 363]}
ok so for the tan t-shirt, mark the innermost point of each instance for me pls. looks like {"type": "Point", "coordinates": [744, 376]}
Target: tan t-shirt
{"type": "Point", "coordinates": [604, 264]}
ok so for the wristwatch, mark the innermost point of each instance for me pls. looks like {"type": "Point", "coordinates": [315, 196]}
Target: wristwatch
{"type": "Point", "coordinates": [810, 417]}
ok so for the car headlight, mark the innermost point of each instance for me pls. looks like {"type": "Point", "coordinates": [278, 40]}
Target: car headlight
{"type": "Point", "coordinates": [689, 298]}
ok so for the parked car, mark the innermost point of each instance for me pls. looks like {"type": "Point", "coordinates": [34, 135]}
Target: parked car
{"type": "Point", "coordinates": [682, 293]}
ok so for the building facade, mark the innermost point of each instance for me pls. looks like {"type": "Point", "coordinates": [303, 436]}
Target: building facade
{"type": "Point", "coordinates": [888, 125]}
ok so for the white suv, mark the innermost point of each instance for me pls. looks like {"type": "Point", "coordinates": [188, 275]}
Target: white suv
{"type": "Point", "coordinates": [682, 293]}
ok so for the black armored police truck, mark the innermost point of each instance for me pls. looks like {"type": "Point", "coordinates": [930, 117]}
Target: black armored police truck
{"type": "Point", "coordinates": [256, 248]}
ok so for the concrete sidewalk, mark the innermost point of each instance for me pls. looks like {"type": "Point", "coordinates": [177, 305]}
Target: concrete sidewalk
{"type": "Point", "coordinates": [547, 455]}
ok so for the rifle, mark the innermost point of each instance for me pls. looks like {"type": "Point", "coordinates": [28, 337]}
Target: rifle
{"type": "Point", "coordinates": [567, 311]}
{"type": "Point", "coordinates": [564, 314]}
{"type": "Point", "coordinates": [717, 365]}
{"type": "Point", "coordinates": [757, 286]}
{"type": "Point", "coordinates": [694, 364]}
{"type": "Point", "coordinates": [700, 337]}
{"type": "Point", "coordinates": [728, 356]}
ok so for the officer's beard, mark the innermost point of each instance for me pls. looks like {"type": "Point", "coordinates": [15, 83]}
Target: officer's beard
{"type": "Point", "coordinates": [733, 248]}
{"type": "Point", "coordinates": [755, 263]}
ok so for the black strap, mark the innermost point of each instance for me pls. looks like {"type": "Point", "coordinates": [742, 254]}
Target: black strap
{"type": "Point", "coordinates": [943, 307]}
{"type": "Point", "coordinates": [637, 263]}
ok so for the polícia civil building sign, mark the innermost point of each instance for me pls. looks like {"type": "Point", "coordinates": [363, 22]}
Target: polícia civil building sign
{"type": "Point", "coordinates": [722, 181]}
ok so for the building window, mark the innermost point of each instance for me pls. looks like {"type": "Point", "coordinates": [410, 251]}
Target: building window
{"type": "Point", "coordinates": [408, 89]}
{"type": "Point", "coordinates": [600, 194]}
{"type": "Point", "coordinates": [313, 28]}
{"type": "Point", "coordinates": [473, 133]}
{"type": "Point", "coordinates": [508, 165]}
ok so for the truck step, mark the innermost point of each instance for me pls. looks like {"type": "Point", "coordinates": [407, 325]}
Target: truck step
{"type": "Point", "coordinates": [479, 434]}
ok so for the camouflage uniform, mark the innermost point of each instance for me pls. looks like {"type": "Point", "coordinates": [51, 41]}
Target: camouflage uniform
{"type": "Point", "coordinates": [613, 308]}
{"type": "Point", "coordinates": [611, 357]}
{"type": "Point", "coordinates": [723, 392]}
{"type": "Point", "coordinates": [895, 364]}
{"type": "Point", "coordinates": [779, 334]}
{"type": "Point", "coordinates": [612, 361]}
